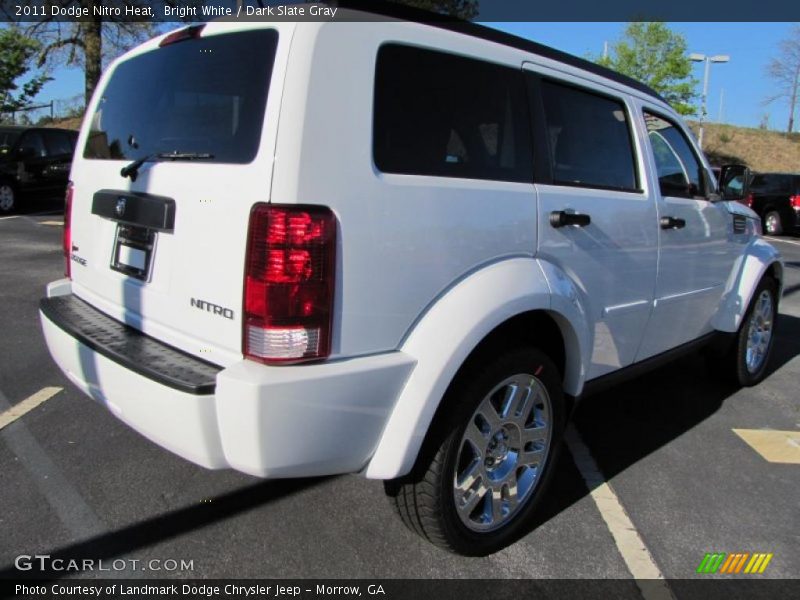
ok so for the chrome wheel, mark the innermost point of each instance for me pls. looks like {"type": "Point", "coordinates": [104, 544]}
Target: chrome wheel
{"type": "Point", "coordinates": [772, 223]}
{"type": "Point", "coordinates": [759, 333]}
{"type": "Point", "coordinates": [6, 197]}
{"type": "Point", "coordinates": [502, 453]}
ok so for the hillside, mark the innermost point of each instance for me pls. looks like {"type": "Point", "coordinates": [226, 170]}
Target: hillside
{"type": "Point", "coordinates": [759, 149]}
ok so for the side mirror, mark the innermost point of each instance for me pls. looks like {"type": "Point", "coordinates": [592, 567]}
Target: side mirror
{"type": "Point", "coordinates": [734, 182]}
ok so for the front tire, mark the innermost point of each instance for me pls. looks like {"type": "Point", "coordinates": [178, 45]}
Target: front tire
{"type": "Point", "coordinates": [8, 197]}
{"type": "Point", "coordinates": [756, 335]}
{"type": "Point", "coordinates": [488, 459]}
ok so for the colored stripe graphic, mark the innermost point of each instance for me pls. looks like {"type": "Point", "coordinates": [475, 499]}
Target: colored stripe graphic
{"type": "Point", "coordinates": [734, 563]}
{"type": "Point", "coordinates": [711, 562]}
{"type": "Point", "coordinates": [758, 563]}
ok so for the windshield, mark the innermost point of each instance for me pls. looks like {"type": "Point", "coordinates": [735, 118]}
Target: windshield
{"type": "Point", "coordinates": [198, 96]}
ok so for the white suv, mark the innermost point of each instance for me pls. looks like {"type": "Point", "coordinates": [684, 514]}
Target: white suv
{"type": "Point", "coordinates": [393, 248]}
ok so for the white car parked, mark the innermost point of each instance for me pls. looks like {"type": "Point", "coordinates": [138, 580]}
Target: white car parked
{"type": "Point", "coordinates": [392, 248]}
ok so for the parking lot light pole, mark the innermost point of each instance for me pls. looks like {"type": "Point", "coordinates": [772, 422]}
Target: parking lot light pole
{"type": "Point", "coordinates": [717, 58]}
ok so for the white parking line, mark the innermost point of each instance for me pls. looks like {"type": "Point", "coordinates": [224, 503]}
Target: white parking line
{"type": "Point", "coordinates": [637, 557]}
{"type": "Point", "coordinates": [781, 240]}
{"type": "Point", "coordinates": [27, 405]}
{"type": "Point", "coordinates": [11, 217]}
{"type": "Point", "coordinates": [74, 513]}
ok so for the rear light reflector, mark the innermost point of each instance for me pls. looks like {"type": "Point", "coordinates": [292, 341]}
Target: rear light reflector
{"type": "Point", "coordinates": [795, 200]}
{"type": "Point", "coordinates": [67, 239]}
{"type": "Point", "coordinates": [289, 282]}
{"type": "Point", "coordinates": [749, 201]}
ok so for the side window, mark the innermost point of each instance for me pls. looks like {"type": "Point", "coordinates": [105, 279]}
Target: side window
{"type": "Point", "coordinates": [58, 144]}
{"type": "Point", "coordinates": [449, 116]}
{"type": "Point", "coordinates": [31, 146]}
{"type": "Point", "coordinates": [590, 139]}
{"type": "Point", "coordinates": [680, 173]}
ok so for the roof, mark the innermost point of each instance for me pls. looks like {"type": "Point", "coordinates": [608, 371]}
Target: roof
{"type": "Point", "coordinates": [450, 23]}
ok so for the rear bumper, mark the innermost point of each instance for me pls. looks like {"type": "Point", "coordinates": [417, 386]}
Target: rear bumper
{"type": "Point", "coordinates": [290, 421]}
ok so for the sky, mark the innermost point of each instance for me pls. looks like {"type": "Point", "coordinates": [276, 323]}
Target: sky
{"type": "Point", "coordinates": [738, 87]}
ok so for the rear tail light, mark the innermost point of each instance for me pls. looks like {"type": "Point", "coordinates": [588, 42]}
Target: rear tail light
{"type": "Point", "coordinates": [67, 240]}
{"type": "Point", "coordinates": [795, 200]}
{"type": "Point", "coordinates": [749, 201]}
{"type": "Point", "coordinates": [289, 277]}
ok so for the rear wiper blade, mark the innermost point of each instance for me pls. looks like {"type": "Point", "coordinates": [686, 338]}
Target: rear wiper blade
{"type": "Point", "coordinates": [132, 170]}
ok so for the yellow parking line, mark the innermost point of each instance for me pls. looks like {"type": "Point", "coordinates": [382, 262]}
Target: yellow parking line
{"type": "Point", "coordinates": [55, 223]}
{"type": "Point", "coordinates": [27, 405]}
{"type": "Point", "coordinates": [773, 445]}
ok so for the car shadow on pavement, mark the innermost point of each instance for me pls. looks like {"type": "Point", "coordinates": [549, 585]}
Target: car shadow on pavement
{"type": "Point", "coordinates": [162, 527]}
{"type": "Point", "coordinates": [632, 420]}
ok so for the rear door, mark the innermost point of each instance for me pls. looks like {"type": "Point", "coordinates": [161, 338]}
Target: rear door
{"type": "Point", "coordinates": [597, 222]}
{"type": "Point", "coordinates": [161, 244]}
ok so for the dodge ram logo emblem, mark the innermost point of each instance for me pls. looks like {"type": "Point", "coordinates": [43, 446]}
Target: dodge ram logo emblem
{"type": "Point", "coordinates": [120, 209]}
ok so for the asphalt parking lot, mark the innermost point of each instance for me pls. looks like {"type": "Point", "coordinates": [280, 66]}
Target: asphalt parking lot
{"type": "Point", "coordinates": [76, 483]}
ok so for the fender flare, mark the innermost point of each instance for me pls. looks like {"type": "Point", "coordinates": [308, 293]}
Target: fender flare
{"type": "Point", "coordinates": [745, 276]}
{"type": "Point", "coordinates": [453, 327]}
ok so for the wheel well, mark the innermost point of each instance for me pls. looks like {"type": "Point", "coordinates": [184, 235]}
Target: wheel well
{"type": "Point", "coordinates": [776, 272]}
{"type": "Point", "coordinates": [535, 328]}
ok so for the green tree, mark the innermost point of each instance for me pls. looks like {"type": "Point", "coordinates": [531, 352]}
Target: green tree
{"type": "Point", "coordinates": [87, 43]}
{"type": "Point", "coordinates": [656, 56]}
{"type": "Point", "coordinates": [17, 53]}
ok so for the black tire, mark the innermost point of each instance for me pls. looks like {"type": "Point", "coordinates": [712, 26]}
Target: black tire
{"type": "Point", "coordinates": [773, 225]}
{"type": "Point", "coordinates": [8, 197]}
{"type": "Point", "coordinates": [732, 365]}
{"type": "Point", "coordinates": [745, 376]}
{"type": "Point", "coordinates": [425, 499]}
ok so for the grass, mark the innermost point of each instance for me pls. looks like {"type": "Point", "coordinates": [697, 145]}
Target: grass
{"type": "Point", "coordinates": [759, 149]}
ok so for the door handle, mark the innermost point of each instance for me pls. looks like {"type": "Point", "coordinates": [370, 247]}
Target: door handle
{"type": "Point", "coordinates": [560, 218]}
{"type": "Point", "coordinates": [672, 223]}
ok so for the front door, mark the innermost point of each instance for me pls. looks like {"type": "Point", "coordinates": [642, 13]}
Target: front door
{"type": "Point", "coordinates": [695, 258]}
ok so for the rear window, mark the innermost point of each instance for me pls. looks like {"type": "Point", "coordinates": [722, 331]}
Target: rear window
{"type": "Point", "coordinates": [590, 139]}
{"type": "Point", "coordinates": [450, 116]}
{"type": "Point", "coordinates": [205, 96]}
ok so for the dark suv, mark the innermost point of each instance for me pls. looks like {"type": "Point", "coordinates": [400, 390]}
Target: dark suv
{"type": "Point", "coordinates": [33, 162]}
{"type": "Point", "coordinates": [776, 198]}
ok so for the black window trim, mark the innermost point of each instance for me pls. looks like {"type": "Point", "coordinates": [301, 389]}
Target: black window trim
{"type": "Point", "coordinates": [646, 108]}
{"type": "Point", "coordinates": [439, 50]}
{"type": "Point", "coordinates": [546, 152]}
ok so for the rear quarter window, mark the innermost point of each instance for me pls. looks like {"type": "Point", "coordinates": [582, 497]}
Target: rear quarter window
{"type": "Point", "coordinates": [204, 95]}
{"type": "Point", "coordinates": [449, 116]}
